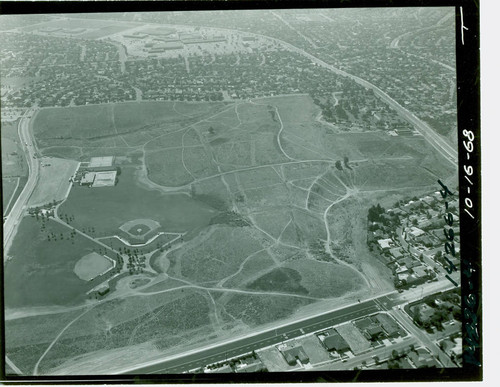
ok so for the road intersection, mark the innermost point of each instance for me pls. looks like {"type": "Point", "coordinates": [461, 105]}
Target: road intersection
{"type": "Point", "coordinates": [240, 346]}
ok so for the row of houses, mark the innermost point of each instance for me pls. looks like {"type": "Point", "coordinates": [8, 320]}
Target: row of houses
{"type": "Point", "coordinates": [374, 328]}
{"type": "Point", "coordinates": [410, 238]}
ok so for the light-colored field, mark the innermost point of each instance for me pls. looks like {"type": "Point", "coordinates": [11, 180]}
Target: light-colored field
{"type": "Point", "coordinates": [53, 183]}
{"type": "Point", "coordinates": [91, 265]}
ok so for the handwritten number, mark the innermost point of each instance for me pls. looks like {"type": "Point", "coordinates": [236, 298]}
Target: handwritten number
{"type": "Point", "coordinates": [445, 191]}
{"type": "Point", "coordinates": [469, 146]}
{"type": "Point", "coordinates": [451, 280]}
{"type": "Point", "coordinates": [449, 248]}
{"type": "Point", "coordinates": [469, 134]}
{"type": "Point", "coordinates": [449, 234]}
{"type": "Point", "coordinates": [451, 268]}
{"type": "Point", "coordinates": [448, 218]}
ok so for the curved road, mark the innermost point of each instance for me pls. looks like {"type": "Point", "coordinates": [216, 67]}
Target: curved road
{"type": "Point", "coordinates": [434, 139]}
{"type": "Point", "coordinates": [17, 211]}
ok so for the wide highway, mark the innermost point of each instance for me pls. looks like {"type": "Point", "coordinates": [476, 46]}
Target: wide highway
{"type": "Point", "coordinates": [14, 217]}
{"type": "Point", "coordinates": [234, 348]}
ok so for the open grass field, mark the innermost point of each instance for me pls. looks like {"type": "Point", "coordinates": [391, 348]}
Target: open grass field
{"type": "Point", "coordinates": [53, 183]}
{"type": "Point", "coordinates": [107, 208]}
{"type": "Point", "coordinates": [255, 187]}
{"type": "Point", "coordinates": [40, 272]}
{"type": "Point", "coordinates": [112, 129]}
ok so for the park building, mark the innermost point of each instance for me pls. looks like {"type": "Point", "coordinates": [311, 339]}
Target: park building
{"type": "Point", "coordinates": [100, 172]}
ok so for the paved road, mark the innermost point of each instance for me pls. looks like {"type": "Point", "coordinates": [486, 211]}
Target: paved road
{"type": "Point", "coordinates": [17, 211]}
{"type": "Point", "coordinates": [244, 345]}
{"type": "Point", "coordinates": [439, 143]}
{"type": "Point", "coordinates": [435, 140]}
{"type": "Point", "coordinates": [421, 336]}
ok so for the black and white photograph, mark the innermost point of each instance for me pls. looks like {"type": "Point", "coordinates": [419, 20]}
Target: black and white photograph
{"type": "Point", "coordinates": [212, 192]}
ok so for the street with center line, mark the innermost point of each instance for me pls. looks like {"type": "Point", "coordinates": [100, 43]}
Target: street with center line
{"type": "Point", "coordinates": [245, 345]}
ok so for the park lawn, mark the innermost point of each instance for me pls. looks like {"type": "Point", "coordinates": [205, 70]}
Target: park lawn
{"type": "Point", "coordinates": [107, 208]}
{"type": "Point", "coordinates": [91, 265]}
{"type": "Point", "coordinates": [41, 272]}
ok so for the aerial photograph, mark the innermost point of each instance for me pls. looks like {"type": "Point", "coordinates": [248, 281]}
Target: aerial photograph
{"type": "Point", "coordinates": [230, 191]}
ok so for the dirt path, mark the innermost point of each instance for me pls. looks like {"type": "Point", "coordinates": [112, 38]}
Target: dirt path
{"type": "Point", "coordinates": [35, 370]}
